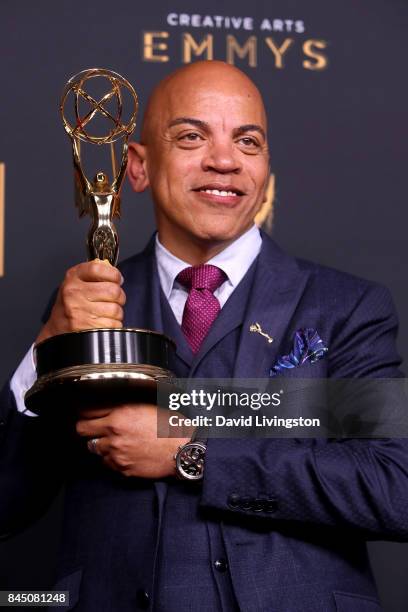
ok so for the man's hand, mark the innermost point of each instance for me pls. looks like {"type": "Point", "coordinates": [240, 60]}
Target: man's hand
{"type": "Point", "coordinates": [128, 442]}
{"type": "Point", "coordinates": [89, 297]}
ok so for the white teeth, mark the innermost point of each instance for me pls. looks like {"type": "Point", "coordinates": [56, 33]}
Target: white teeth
{"type": "Point", "coordinates": [217, 192]}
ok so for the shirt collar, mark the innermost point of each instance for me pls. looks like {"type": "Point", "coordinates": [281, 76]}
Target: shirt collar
{"type": "Point", "coordinates": [234, 260]}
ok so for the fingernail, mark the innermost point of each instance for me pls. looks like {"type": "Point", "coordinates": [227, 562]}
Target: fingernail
{"type": "Point", "coordinates": [122, 280]}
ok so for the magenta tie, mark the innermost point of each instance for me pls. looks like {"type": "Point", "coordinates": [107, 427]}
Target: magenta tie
{"type": "Point", "coordinates": [201, 307]}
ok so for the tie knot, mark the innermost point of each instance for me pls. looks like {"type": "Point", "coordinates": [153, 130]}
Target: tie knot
{"type": "Point", "coordinates": [204, 276]}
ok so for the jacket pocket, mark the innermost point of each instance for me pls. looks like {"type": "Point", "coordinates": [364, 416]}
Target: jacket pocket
{"type": "Point", "coordinates": [352, 602]}
{"type": "Point", "coordinates": [70, 583]}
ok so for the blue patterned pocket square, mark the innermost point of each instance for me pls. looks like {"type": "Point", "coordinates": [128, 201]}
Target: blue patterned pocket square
{"type": "Point", "coordinates": [307, 347]}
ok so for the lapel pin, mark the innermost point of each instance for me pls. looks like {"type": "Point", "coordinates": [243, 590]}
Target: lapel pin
{"type": "Point", "coordinates": [256, 328]}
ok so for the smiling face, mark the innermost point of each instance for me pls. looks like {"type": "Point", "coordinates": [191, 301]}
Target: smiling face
{"type": "Point", "coordinates": [205, 158]}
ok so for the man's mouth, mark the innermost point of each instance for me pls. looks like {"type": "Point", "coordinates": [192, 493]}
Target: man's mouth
{"type": "Point", "coordinates": [217, 192]}
{"type": "Point", "coordinates": [226, 191]}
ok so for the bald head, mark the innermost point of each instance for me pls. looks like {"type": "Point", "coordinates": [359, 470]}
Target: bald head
{"type": "Point", "coordinates": [214, 76]}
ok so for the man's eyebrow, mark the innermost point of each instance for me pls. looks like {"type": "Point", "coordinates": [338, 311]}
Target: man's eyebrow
{"type": "Point", "coordinates": [242, 129]}
{"type": "Point", "coordinates": [250, 127]}
{"type": "Point", "coordinates": [197, 122]}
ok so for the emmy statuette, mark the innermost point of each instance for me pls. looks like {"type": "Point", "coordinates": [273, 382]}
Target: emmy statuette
{"type": "Point", "coordinates": [98, 367]}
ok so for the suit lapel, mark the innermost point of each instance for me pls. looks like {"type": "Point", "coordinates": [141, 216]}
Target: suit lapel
{"type": "Point", "coordinates": [146, 305]}
{"type": "Point", "coordinates": [142, 288]}
{"type": "Point", "coordinates": [173, 329]}
{"type": "Point", "coordinates": [276, 291]}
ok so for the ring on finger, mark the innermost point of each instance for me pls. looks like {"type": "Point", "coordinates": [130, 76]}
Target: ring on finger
{"type": "Point", "coordinates": [92, 445]}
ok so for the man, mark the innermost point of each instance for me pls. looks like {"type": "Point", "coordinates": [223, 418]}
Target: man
{"type": "Point", "coordinates": [274, 524]}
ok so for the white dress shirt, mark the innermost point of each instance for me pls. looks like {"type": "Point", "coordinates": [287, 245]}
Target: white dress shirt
{"type": "Point", "coordinates": [235, 261]}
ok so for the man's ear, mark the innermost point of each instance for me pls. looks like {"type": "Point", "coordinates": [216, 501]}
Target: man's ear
{"type": "Point", "coordinates": [136, 167]}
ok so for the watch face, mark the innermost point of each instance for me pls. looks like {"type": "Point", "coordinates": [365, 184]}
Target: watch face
{"type": "Point", "coordinates": [190, 461]}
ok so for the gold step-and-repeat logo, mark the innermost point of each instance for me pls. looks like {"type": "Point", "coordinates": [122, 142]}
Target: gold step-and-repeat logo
{"type": "Point", "coordinates": [2, 189]}
{"type": "Point", "coordinates": [248, 40]}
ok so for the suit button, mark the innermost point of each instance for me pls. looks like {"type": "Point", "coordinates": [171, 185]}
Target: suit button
{"type": "Point", "coordinates": [246, 503]}
{"type": "Point", "coordinates": [258, 505]}
{"type": "Point", "coordinates": [271, 505]}
{"type": "Point", "coordinates": [233, 500]}
{"type": "Point", "coordinates": [221, 565]}
{"type": "Point", "coordinates": [143, 599]}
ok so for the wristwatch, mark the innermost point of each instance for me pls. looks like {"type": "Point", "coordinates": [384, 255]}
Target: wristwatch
{"type": "Point", "coordinates": [190, 460]}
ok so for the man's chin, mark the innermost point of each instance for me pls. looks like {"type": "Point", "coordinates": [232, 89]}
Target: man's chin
{"type": "Point", "coordinates": [217, 234]}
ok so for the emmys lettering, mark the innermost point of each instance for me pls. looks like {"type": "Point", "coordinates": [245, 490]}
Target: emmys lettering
{"type": "Point", "coordinates": [157, 48]}
{"type": "Point", "coordinates": [279, 41]}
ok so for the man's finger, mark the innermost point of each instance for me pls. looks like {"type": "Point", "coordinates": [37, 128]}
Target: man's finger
{"type": "Point", "coordinates": [105, 323]}
{"type": "Point", "coordinates": [98, 446]}
{"type": "Point", "coordinates": [92, 428]}
{"type": "Point", "coordinates": [93, 413]}
{"type": "Point", "coordinates": [106, 310]}
{"type": "Point", "coordinates": [98, 271]}
{"type": "Point", "coordinates": [104, 292]}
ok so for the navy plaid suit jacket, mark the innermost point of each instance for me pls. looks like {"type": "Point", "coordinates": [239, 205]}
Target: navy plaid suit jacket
{"type": "Point", "coordinates": [306, 550]}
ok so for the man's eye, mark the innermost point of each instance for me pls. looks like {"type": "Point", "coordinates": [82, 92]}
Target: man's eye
{"type": "Point", "coordinates": [248, 141]}
{"type": "Point", "coordinates": [190, 137]}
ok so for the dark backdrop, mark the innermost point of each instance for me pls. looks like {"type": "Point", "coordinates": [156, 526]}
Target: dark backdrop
{"type": "Point", "coordinates": [337, 99]}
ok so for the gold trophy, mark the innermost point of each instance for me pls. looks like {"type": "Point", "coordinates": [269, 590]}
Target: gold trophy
{"type": "Point", "coordinates": [99, 366]}
{"type": "Point", "coordinates": [98, 198]}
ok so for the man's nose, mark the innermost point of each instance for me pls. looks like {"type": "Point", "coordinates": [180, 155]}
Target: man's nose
{"type": "Point", "coordinates": [221, 157]}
